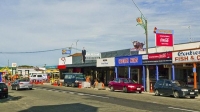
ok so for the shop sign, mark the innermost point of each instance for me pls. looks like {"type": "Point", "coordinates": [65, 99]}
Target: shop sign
{"type": "Point", "coordinates": [164, 37]}
{"type": "Point", "coordinates": [65, 60]}
{"type": "Point", "coordinates": [164, 40]}
{"type": "Point", "coordinates": [186, 56]}
{"type": "Point", "coordinates": [158, 58]}
{"type": "Point", "coordinates": [128, 60]}
{"type": "Point", "coordinates": [92, 56]}
{"type": "Point", "coordinates": [106, 62]}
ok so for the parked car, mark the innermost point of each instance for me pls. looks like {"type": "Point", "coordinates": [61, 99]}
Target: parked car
{"type": "Point", "coordinates": [38, 76]}
{"type": "Point", "coordinates": [126, 85]}
{"type": "Point", "coordinates": [3, 90]}
{"type": "Point", "coordinates": [175, 88]}
{"type": "Point", "coordinates": [73, 79]}
{"type": "Point", "coordinates": [21, 84]}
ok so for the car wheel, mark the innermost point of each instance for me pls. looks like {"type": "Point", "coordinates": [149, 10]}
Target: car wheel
{"type": "Point", "coordinates": [6, 95]}
{"type": "Point", "coordinates": [157, 93]}
{"type": "Point", "coordinates": [192, 97]}
{"type": "Point", "coordinates": [111, 88]}
{"type": "Point", "coordinates": [125, 90]}
{"type": "Point", "coordinates": [16, 88]}
{"type": "Point", "coordinates": [140, 91]}
{"type": "Point", "coordinates": [176, 94]}
{"type": "Point", "coordinates": [30, 88]}
{"type": "Point", "coordinates": [66, 85]}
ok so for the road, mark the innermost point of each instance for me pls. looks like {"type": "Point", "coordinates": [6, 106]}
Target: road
{"type": "Point", "coordinates": [45, 98]}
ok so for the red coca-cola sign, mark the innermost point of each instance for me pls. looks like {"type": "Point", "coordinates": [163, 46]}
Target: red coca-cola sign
{"type": "Point", "coordinates": [160, 56]}
{"type": "Point", "coordinates": [164, 39]}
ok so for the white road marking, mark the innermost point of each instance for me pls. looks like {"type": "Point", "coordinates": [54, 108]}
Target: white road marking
{"type": "Point", "coordinates": [182, 109]}
{"type": "Point", "coordinates": [71, 92]}
{"type": "Point", "coordinates": [80, 94]}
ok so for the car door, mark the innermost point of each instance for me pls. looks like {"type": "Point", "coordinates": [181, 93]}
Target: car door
{"type": "Point", "coordinates": [121, 84]}
{"type": "Point", "coordinates": [115, 84]}
{"type": "Point", "coordinates": [159, 86]}
{"type": "Point", "coordinates": [167, 88]}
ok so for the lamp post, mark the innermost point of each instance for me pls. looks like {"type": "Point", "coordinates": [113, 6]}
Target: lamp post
{"type": "Point", "coordinates": [142, 21]}
{"type": "Point", "coordinates": [76, 45]}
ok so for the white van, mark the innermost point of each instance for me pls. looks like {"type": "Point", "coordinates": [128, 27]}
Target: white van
{"type": "Point", "coordinates": [38, 76]}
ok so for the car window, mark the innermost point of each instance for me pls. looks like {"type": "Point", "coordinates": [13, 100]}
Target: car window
{"type": "Point", "coordinates": [34, 75]}
{"type": "Point", "coordinates": [121, 80]}
{"type": "Point", "coordinates": [159, 83]}
{"type": "Point", "coordinates": [68, 76]}
{"type": "Point", "coordinates": [176, 83]}
{"type": "Point", "coordinates": [167, 83]}
{"type": "Point", "coordinates": [39, 76]}
{"type": "Point", "coordinates": [116, 80]}
{"type": "Point", "coordinates": [2, 85]}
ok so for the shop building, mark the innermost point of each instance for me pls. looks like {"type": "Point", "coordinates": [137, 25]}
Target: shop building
{"type": "Point", "coordinates": [187, 66]}
{"type": "Point", "coordinates": [160, 67]}
{"type": "Point", "coordinates": [107, 69]}
{"type": "Point", "coordinates": [129, 67]}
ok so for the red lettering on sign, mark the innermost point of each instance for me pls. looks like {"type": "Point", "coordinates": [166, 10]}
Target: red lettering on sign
{"type": "Point", "coordinates": [158, 56]}
{"type": "Point", "coordinates": [133, 60]}
{"type": "Point", "coordinates": [183, 58]}
{"type": "Point", "coordinates": [123, 61]}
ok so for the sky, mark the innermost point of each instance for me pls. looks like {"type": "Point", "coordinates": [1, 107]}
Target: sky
{"type": "Point", "coordinates": [29, 26]}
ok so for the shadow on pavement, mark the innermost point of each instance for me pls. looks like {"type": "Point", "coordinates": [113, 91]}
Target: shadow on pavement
{"type": "Point", "coordinates": [10, 98]}
{"type": "Point", "coordinates": [76, 107]}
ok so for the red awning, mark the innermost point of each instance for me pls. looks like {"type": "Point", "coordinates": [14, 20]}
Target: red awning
{"type": "Point", "coordinates": [61, 66]}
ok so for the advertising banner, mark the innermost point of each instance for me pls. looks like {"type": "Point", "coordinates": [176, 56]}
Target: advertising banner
{"type": "Point", "coordinates": [128, 60]}
{"type": "Point", "coordinates": [92, 56]}
{"type": "Point", "coordinates": [164, 38]}
{"type": "Point", "coordinates": [157, 58]}
{"type": "Point", "coordinates": [187, 56]}
{"type": "Point", "coordinates": [66, 51]}
{"type": "Point", "coordinates": [65, 60]}
{"type": "Point", "coordinates": [106, 62]}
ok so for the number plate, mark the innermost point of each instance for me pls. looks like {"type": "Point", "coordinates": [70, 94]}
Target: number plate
{"type": "Point", "coordinates": [191, 92]}
{"type": "Point", "coordinates": [138, 88]}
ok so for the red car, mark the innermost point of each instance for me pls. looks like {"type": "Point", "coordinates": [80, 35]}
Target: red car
{"type": "Point", "coordinates": [125, 84]}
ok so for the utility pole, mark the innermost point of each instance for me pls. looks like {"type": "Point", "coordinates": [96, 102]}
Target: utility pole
{"type": "Point", "coordinates": [76, 45]}
{"type": "Point", "coordinates": [143, 24]}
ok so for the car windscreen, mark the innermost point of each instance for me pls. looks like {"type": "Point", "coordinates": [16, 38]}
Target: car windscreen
{"type": "Point", "coordinates": [129, 81]}
{"type": "Point", "coordinates": [176, 83]}
{"type": "Point", "coordinates": [69, 76]}
{"type": "Point", "coordinates": [24, 80]}
{"type": "Point", "coordinates": [80, 77]}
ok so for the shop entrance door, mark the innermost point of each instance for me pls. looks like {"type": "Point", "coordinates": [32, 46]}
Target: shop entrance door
{"type": "Point", "coordinates": [134, 75]}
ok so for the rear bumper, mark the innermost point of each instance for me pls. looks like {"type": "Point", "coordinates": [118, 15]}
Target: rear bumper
{"type": "Point", "coordinates": [25, 87]}
{"type": "Point", "coordinates": [135, 89]}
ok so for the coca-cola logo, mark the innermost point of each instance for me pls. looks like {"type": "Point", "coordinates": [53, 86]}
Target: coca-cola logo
{"type": "Point", "coordinates": [164, 39]}
{"type": "Point", "coordinates": [160, 56]}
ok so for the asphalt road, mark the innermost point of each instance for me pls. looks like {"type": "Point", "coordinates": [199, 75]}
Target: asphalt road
{"type": "Point", "coordinates": [45, 98]}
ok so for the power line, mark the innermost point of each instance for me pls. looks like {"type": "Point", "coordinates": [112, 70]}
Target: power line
{"type": "Point", "coordinates": [27, 52]}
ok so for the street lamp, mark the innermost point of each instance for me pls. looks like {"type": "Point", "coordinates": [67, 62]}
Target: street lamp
{"type": "Point", "coordinates": [76, 45]}
{"type": "Point", "coordinates": [142, 21]}
{"type": "Point", "coordinates": [71, 46]}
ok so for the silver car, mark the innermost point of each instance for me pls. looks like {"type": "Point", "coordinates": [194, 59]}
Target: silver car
{"type": "Point", "coordinates": [21, 84]}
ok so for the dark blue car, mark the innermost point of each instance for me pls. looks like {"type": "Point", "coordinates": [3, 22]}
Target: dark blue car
{"type": "Point", "coordinates": [175, 88]}
{"type": "Point", "coordinates": [73, 79]}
